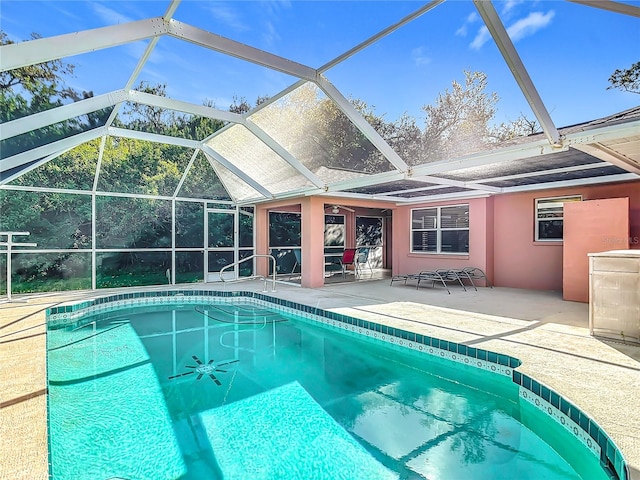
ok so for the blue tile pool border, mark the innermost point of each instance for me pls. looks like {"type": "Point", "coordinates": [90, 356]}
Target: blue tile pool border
{"type": "Point", "coordinates": [566, 414]}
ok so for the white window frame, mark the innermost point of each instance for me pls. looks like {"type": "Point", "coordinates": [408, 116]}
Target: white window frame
{"type": "Point", "coordinates": [563, 199]}
{"type": "Point", "coordinates": [438, 229]}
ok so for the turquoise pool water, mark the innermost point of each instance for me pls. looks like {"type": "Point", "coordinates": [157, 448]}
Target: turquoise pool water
{"type": "Point", "coordinates": [243, 392]}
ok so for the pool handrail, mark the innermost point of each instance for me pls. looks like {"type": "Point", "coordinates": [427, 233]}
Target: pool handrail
{"type": "Point", "coordinates": [250, 257]}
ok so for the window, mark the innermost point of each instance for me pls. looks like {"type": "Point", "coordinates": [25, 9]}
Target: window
{"type": "Point", "coordinates": [368, 231]}
{"type": "Point", "coordinates": [440, 229]}
{"type": "Point", "coordinates": [334, 231]}
{"type": "Point", "coordinates": [549, 217]}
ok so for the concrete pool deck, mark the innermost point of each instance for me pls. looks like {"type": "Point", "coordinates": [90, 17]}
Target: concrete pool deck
{"type": "Point", "coordinates": [549, 335]}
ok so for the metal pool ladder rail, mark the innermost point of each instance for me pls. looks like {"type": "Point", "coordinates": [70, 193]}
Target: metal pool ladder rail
{"type": "Point", "coordinates": [250, 257]}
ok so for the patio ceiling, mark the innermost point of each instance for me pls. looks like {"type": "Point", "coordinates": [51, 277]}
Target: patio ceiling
{"type": "Point", "coordinates": [276, 150]}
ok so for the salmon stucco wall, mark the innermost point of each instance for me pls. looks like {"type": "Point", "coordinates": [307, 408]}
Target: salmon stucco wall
{"type": "Point", "coordinates": [501, 235]}
{"type": "Point", "coordinates": [588, 227]}
{"type": "Point", "coordinates": [480, 244]}
{"type": "Point", "coordinates": [520, 261]}
{"type": "Point", "coordinates": [312, 249]}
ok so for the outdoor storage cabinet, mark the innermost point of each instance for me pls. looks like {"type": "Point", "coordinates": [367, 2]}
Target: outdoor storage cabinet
{"type": "Point", "coordinates": [614, 295]}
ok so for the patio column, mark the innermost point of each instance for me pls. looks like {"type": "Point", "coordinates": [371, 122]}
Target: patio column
{"type": "Point", "coordinates": [481, 236]}
{"type": "Point", "coordinates": [312, 242]}
{"type": "Point", "coordinates": [261, 229]}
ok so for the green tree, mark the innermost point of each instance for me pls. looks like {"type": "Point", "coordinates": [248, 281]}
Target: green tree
{"type": "Point", "coordinates": [199, 128]}
{"type": "Point", "coordinates": [458, 123]}
{"type": "Point", "coordinates": [318, 133]}
{"type": "Point", "coordinates": [627, 80]}
{"type": "Point", "coordinates": [405, 136]}
{"type": "Point", "coordinates": [344, 145]}
{"type": "Point", "coordinates": [74, 169]}
{"type": "Point", "coordinates": [520, 127]}
{"type": "Point", "coordinates": [37, 88]}
{"type": "Point", "coordinates": [241, 106]}
{"type": "Point", "coordinates": [33, 88]}
{"type": "Point", "coordinates": [148, 118]}
{"type": "Point", "coordinates": [137, 166]}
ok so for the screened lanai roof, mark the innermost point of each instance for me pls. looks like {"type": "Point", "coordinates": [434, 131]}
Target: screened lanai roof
{"type": "Point", "coordinates": [310, 136]}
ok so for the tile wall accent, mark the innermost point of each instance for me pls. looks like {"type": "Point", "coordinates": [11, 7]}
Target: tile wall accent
{"type": "Point", "coordinates": [530, 390]}
{"type": "Point", "coordinates": [578, 423]}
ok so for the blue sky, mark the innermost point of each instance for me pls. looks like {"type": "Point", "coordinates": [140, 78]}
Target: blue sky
{"type": "Point", "coordinates": [570, 50]}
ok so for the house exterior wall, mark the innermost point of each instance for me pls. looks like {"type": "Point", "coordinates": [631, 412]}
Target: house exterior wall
{"type": "Point", "coordinates": [501, 235]}
{"type": "Point", "coordinates": [520, 261]}
{"type": "Point", "coordinates": [587, 226]}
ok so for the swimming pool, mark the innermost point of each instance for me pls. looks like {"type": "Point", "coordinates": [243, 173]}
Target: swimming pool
{"type": "Point", "coordinates": [238, 385]}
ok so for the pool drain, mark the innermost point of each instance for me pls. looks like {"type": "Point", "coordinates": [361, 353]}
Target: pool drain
{"type": "Point", "coordinates": [203, 369]}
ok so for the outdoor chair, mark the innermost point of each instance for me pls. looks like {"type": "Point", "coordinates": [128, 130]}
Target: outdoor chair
{"type": "Point", "coordinates": [424, 276]}
{"type": "Point", "coordinates": [362, 260]}
{"type": "Point", "coordinates": [349, 258]}
{"type": "Point", "coordinates": [404, 278]}
{"type": "Point", "coordinates": [441, 276]}
{"type": "Point", "coordinates": [474, 273]}
{"type": "Point", "coordinates": [436, 277]}
{"type": "Point", "coordinates": [451, 276]}
{"type": "Point", "coordinates": [298, 263]}
{"type": "Point", "coordinates": [471, 274]}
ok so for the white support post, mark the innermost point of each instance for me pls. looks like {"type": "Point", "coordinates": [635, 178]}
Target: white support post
{"type": "Point", "coordinates": [9, 244]}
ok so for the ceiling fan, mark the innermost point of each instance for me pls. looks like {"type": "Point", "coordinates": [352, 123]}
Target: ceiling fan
{"type": "Point", "coordinates": [336, 209]}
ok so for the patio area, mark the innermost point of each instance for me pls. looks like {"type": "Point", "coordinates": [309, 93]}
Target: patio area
{"type": "Point", "coordinates": [549, 335]}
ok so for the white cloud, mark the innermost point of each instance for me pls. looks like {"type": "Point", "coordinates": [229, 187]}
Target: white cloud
{"type": "Point", "coordinates": [529, 25]}
{"type": "Point", "coordinates": [172, 59]}
{"type": "Point", "coordinates": [272, 13]}
{"type": "Point", "coordinates": [509, 5]}
{"type": "Point", "coordinates": [420, 56]}
{"type": "Point", "coordinates": [151, 75]}
{"type": "Point", "coordinates": [113, 17]}
{"type": "Point", "coordinates": [462, 31]}
{"type": "Point", "coordinates": [230, 17]}
{"type": "Point", "coordinates": [522, 28]}
{"type": "Point", "coordinates": [72, 14]}
{"type": "Point", "coordinates": [481, 38]}
{"type": "Point", "coordinates": [136, 49]}
{"type": "Point", "coordinates": [270, 34]}
{"type": "Point", "coordinates": [471, 18]}
{"type": "Point", "coordinates": [110, 16]}
{"type": "Point", "coordinates": [275, 7]}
